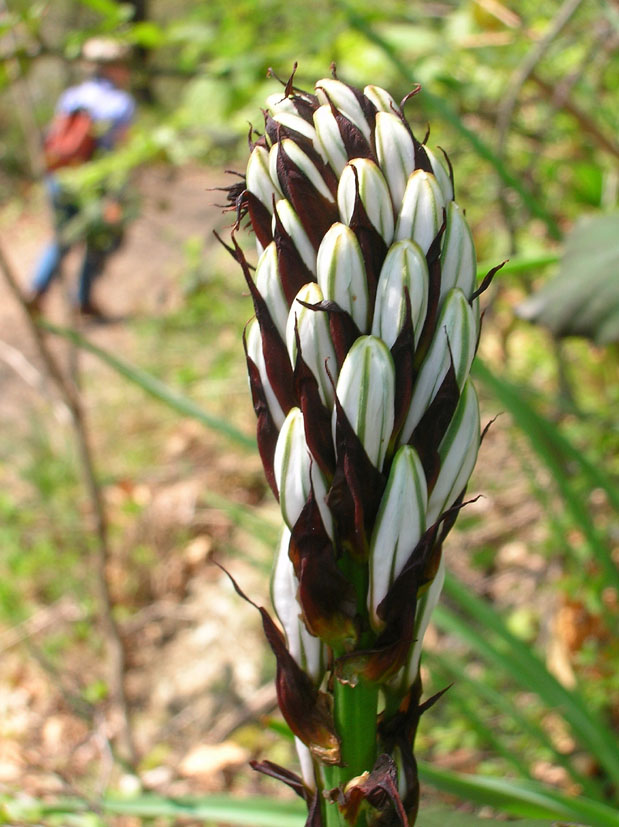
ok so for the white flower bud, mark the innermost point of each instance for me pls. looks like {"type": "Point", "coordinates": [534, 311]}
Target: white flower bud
{"type": "Point", "coordinates": [328, 140]}
{"type": "Point", "coordinates": [270, 288]}
{"type": "Point", "coordinates": [366, 391]}
{"type": "Point", "coordinates": [396, 154]}
{"type": "Point", "coordinates": [258, 178]}
{"type": "Point", "coordinates": [458, 452]}
{"type": "Point", "coordinates": [455, 337]}
{"type": "Point", "coordinates": [291, 465]}
{"type": "Point", "coordinates": [341, 273]}
{"type": "Point", "coordinates": [441, 175]}
{"type": "Point", "coordinates": [293, 121]}
{"type": "Point", "coordinates": [320, 493]}
{"type": "Point", "coordinates": [425, 606]}
{"type": "Point", "coordinates": [315, 337]}
{"type": "Point", "coordinates": [306, 649]}
{"type": "Point", "coordinates": [405, 267]}
{"type": "Point", "coordinates": [300, 159]}
{"type": "Point", "coordinates": [381, 99]}
{"type": "Point", "coordinates": [306, 763]}
{"type": "Point", "coordinates": [254, 351]}
{"type": "Point", "coordinates": [398, 528]}
{"type": "Point", "coordinates": [421, 214]}
{"type": "Point", "coordinates": [458, 260]}
{"type": "Point", "coordinates": [294, 228]}
{"type": "Point", "coordinates": [336, 92]}
{"type": "Point", "coordinates": [373, 192]}
{"type": "Point", "coordinates": [277, 103]}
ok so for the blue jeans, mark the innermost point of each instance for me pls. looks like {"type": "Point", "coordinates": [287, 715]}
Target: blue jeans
{"type": "Point", "coordinates": [48, 265]}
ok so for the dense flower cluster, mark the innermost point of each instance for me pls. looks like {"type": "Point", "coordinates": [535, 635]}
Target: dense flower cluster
{"type": "Point", "coordinates": [366, 325]}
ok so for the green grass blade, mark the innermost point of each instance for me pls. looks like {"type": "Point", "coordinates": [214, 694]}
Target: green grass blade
{"type": "Point", "coordinates": [449, 114]}
{"type": "Point", "coordinates": [514, 399]}
{"type": "Point", "coordinates": [498, 645]}
{"type": "Point", "coordinates": [455, 669]}
{"type": "Point", "coordinates": [555, 450]}
{"type": "Point", "coordinates": [521, 798]}
{"type": "Point", "coordinates": [519, 264]}
{"type": "Point", "coordinates": [154, 387]}
{"type": "Point", "coordinates": [251, 812]}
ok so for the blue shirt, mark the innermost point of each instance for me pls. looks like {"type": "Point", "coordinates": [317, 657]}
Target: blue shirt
{"type": "Point", "coordinates": [111, 109]}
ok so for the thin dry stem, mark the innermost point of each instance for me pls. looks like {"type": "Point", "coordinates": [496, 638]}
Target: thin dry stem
{"type": "Point", "coordinates": [70, 396]}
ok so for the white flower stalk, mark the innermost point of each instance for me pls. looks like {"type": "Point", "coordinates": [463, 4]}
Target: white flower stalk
{"type": "Point", "coordinates": [368, 426]}
{"type": "Point", "coordinates": [396, 154]}
{"type": "Point", "coordinates": [362, 179]}
{"type": "Point", "coordinates": [455, 340]}
{"type": "Point", "coordinates": [405, 269]}
{"type": "Point", "coordinates": [457, 452]}
{"type": "Point", "coordinates": [399, 525]}
{"type": "Point", "coordinates": [312, 329]}
{"type": "Point", "coordinates": [341, 273]}
{"type": "Point", "coordinates": [366, 390]}
{"type": "Point", "coordinates": [292, 467]}
{"type": "Point", "coordinates": [270, 287]}
{"type": "Point", "coordinates": [421, 214]}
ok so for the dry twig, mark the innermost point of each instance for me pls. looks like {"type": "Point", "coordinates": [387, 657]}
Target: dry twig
{"type": "Point", "coordinates": [71, 398]}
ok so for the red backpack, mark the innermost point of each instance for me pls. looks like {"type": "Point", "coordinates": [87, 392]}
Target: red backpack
{"type": "Point", "coordinates": [69, 141]}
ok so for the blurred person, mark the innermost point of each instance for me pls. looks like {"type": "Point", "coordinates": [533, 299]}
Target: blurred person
{"type": "Point", "coordinates": [90, 118]}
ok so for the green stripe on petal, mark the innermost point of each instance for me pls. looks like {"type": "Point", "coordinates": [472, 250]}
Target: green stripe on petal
{"type": "Point", "coordinates": [405, 267]}
{"type": "Point", "coordinates": [366, 391]}
{"type": "Point", "coordinates": [455, 336]}
{"type": "Point", "coordinates": [291, 465]}
{"type": "Point", "coordinates": [341, 273]}
{"type": "Point", "coordinates": [399, 525]}
{"type": "Point", "coordinates": [314, 334]}
{"type": "Point", "coordinates": [396, 154]}
{"type": "Point", "coordinates": [373, 192]}
{"type": "Point", "coordinates": [458, 452]}
{"type": "Point", "coordinates": [458, 259]}
{"type": "Point", "coordinates": [421, 213]}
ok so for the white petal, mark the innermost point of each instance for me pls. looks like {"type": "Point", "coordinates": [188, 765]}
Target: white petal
{"type": "Point", "coordinates": [345, 100]}
{"type": "Point", "coordinates": [254, 350]}
{"type": "Point", "coordinates": [374, 193]}
{"type": "Point", "coordinates": [270, 288]}
{"type": "Point", "coordinates": [328, 140]}
{"type": "Point", "coordinates": [396, 154]}
{"type": "Point", "coordinates": [341, 273]}
{"type": "Point", "coordinates": [421, 214]}
{"type": "Point", "coordinates": [399, 525]}
{"type": "Point", "coordinates": [458, 261]}
{"type": "Point", "coordinates": [291, 465]}
{"type": "Point", "coordinates": [258, 178]}
{"type": "Point", "coordinates": [404, 267]}
{"type": "Point", "coordinates": [366, 390]}
{"type": "Point", "coordinates": [294, 228]}
{"type": "Point", "coordinates": [315, 338]}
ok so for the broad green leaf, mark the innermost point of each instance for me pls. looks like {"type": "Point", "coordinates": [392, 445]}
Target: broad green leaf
{"type": "Point", "coordinates": [519, 264]}
{"type": "Point", "coordinates": [583, 298]}
{"type": "Point", "coordinates": [154, 387]}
